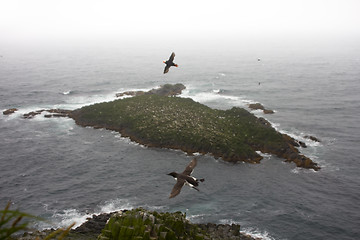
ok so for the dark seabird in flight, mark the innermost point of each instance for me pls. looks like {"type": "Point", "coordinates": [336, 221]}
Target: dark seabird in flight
{"type": "Point", "coordinates": [169, 63]}
{"type": "Point", "coordinates": [185, 178]}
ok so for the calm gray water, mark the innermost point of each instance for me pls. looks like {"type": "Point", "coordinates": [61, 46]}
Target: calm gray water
{"type": "Point", "coordinates": [63, 172]}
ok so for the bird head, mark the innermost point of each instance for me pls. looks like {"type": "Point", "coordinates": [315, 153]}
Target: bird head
{"type": "Point", "coordinates": [172, 174]}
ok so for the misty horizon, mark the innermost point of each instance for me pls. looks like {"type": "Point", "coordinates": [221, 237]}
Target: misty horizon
{"type": "Point", "coordinates": [179, 23]}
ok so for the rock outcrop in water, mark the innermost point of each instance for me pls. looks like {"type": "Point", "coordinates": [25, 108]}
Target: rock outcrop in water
{"type": "Point", "coordinates": [180, 123]}
{"type": "Point", "coordinates": [315, 139]}
{"type": "Point", "coordinates": [258, 106]}
{"type": "Point", "coordinates": [164, 90]}
{"type": "Point", "coordinates": [50, 113]}
{"type": "Point", "coordinates": [10, 111]}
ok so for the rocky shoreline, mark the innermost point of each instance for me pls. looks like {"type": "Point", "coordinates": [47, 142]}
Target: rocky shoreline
{"type": "Point", "coordinates": [159, 226]}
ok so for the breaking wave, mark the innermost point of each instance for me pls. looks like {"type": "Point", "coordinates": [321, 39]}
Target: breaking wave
{"type": "Point", "coordinates": [66, 217]}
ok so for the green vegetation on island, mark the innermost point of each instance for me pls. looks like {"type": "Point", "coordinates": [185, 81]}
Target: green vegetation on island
{"type": "Point", "coordinates": [181, 123]}
{"type": "Point", "coordinates": [142, 224]}
{"type": "Point", "coordinates": [159, 119]}
{"type": "Point", "coordinates": [139, 224]}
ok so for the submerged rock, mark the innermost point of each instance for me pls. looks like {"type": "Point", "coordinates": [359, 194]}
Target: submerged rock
{"type": "Point", "coordinates": [10, 111]}
{"type": "Point", "coordinates": [258, 106]}
{"type": "Point", "coordinates": [33, 114]}
{"type": "Point", "coordinates": [312, 138]}
{"type": "Point", "coordinates": [53, 113]}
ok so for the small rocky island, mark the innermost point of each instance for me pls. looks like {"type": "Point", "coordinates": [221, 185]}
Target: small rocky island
{"type": "Point", "coordinates": [180, 123]}
{"type": "Point", "coordinates": [159, 119]}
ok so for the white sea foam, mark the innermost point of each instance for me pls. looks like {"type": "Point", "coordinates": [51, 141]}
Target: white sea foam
{"type": "Point", "coordinates": [64, 218]}
{"type": "Point", "coordinates": [71, 103]}
{"type": "Point", "coordinates": [115, 205]}
{"type": "Point", "coordinates": [67, 92]}
{"type": "Point", "coordinates": [229, 221]}
{"type": "Point", "coordinates": [257, 234]}
{"type": "Point", "coordinates": [196, 217]}
{"type": "Point", "coordinates": [253, 232]}
{"type": "Point", "coordinates": [215, 96]}
{"type": "Point", "coordinates": [134, 90]}
{"type": "Point", "coordinates": [84, 100]}
{"type": "Point", "coordinates": [295, 170]}
{"type": "Point", "coordinates": [69, 216]}
{"type": "Point", "coordinates": [241, 101]}
{"type": "Point", "coordinates": [265, 155]}
{"type": "Point", "coordinates": [80, 101]}
{"type": "Point", "coordinates": [300, 136]}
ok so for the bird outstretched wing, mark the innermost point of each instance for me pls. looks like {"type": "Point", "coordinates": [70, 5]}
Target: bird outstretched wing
{"type": "Point", "coordinates": [190, 168]}
{"type": "Point", "coordinates": [166, 69]}
{"type": "Point", "coordinates": [172, 56]}
{"type": "Point", "coordinates": [177, 187]}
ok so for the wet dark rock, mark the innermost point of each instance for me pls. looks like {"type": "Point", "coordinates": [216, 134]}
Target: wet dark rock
{"type": "Point", "coordinates": [302, 144]}
{"type": "Point", "coordinates": [264, 122]}
{"type": "Point", "coordinates": [130, 93]}
{"type": "Point", "coordinates": [53, 113]}
{"type": "Point", "coordinates": [33, 114]}
{"type": "Point", "coordinates": [164, 90]}
{"type": "Point", "coordinates": [258, 106]}
{"type": "Point", "coordinates": [267, 111]}
{"type": "Point", "coordinates": [168, 90]}
{"type": "Point", "coordinates": [10, 111]}
{"type": "Point", "coordinates": [154, 225]}
{"type": "Point", "coordinates": [312, 138]}
{"type": "Point", "coordinates": [94, 224]}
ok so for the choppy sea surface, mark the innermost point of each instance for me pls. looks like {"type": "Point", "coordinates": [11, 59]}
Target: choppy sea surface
{"type": "Point", "coordinates": [65, 173]}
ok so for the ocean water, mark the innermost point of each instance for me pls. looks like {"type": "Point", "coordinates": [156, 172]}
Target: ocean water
{"type": "Point", "coordinates": [65, 173]}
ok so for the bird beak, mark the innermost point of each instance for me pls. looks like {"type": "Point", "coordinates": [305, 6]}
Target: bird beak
{"type": "Point", "coordinates": [163, 61]}
{"type": "Point", "coordinates": [176, 65]}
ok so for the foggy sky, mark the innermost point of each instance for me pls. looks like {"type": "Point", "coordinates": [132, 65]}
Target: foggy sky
{"type": "Point", "coordinates": [35, 20]}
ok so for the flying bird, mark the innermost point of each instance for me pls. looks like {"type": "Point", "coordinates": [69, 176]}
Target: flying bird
{"type": "Point", "coordinates": [169, 63]}
{"type": "Point", "coordinates": [185, 178]}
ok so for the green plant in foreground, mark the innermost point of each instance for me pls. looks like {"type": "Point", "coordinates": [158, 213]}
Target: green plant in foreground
{"type": "Point", "coordinates": [14, 221]}
{"type": "Point", "coordinates": [11, 221]}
